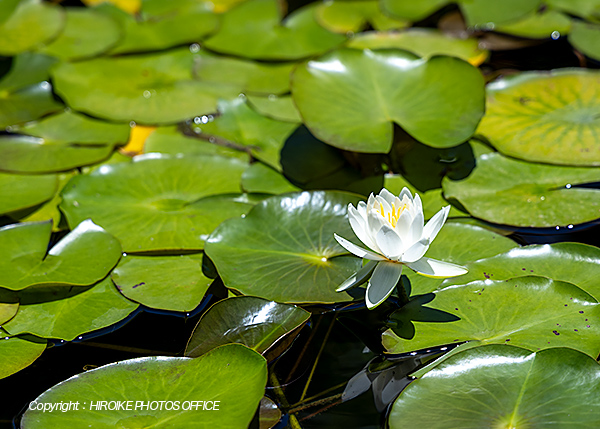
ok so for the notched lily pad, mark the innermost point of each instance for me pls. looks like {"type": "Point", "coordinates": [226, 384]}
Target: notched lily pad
{"type": "Point", "coordinates": [255, 322]}
{"type": "Point", "coordinates": [284, 250]}
{"type": "Point", "coordinates": [351, 99]}
{"type": "Point", "coordinates": [82, 257]}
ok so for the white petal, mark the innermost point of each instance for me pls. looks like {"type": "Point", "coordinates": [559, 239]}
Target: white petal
{"type": "Point", "coordinates": [435, 223]}
{"type": "Point", "coordinates": [415, 231]}
{"type": "Point", "coordinates": [415, 252]}
{"type": "Point", "coordinates": [382, 283]}
{"type": "Point", "coordinates": [387, 196]}
{"type": "Point", "coordinates": [387, 207]}
{"type": "Point", "coordinates": [405, 192]}
{"type": "Point", "coordinates": [357, 250]}
{"type": "Point", "coordinates": [389, 242]}
{"type": "Point", "coordinates": [374, 223]}
{"type": "Point", "coordinates": [360, 227]}
{"type": "Point", "coordinates": [417, 204]}
{"type": "Point", "coordinates": [358, 278]}
{"type": "Point", "coordinates": [403, 225]}
{"type": "Point", "coordinates": [436, 269]}
{"type": "Point", "coordinates": [361, 208]}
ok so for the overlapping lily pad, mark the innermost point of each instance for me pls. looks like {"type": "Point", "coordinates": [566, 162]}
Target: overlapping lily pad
{"type": "Point", "coordinates": [341, 16]}
{"type": "Point", "coordinates": [424, 42]}
{"type": "Point", "coordinates": [551, 117]}
{"type": "Point", "coordinates": [239, 124]}
{"type": "Point", "coordinates": [66, 314]}
{"type": "Point", "coordinates": [153, 89]}
{"type": "Point", "coordinates": [503, 386]}
{"type": "Point", "coordinates": [570, 262]}
{"type": "Point", "coordinates": [174, 283]}
{"type": "Point", "coordinates": [27, 23]}
{"type": "Point", "coordinates": [350, 98]}
{"type": "Point", "coordinates": [259, 178]}
{"type": "Point", "coordinates": [157, 202]}
{"type": "Point", "coordinates": [412, 10]}
{"type": "Point", "coordinates": [539, 25]}
{"type": "Point", "coordinates": [543, 313]}
{"type": "Point", "coordinates": [231, 377]}
{"type": "Point", "coordinates": [84, 256]}
{"type": "Point", "coordinates": [254, 29]}
{"type": "Point", "coordinates": [18, 353]}
{"type": "Point", "coordinates": [87, 33]}
{"type": "Point", "coordinates": [488, 13]}
{"type": "Point", "coordinates": [23, 191]}
{"type": "Point", "coordinates": [59, 143]}
{"type": "Point", "coordinates": [25, 94]}
{"type": "Point", "coordinates": [284, 250]}
{"type": "Point", "coordinates": [255, 322]}
{"type": "Point", "coordinates": [589, 9]}
{"type": "Point", "coordinates": [281, 108]}
{"type": "Point", "coordinates": [509, 191]}
{"type": "Point", "coordinates": [585, 37]}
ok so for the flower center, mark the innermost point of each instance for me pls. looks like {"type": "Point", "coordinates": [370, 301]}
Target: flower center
{"type": "Point", "coordinates": [394, 214]}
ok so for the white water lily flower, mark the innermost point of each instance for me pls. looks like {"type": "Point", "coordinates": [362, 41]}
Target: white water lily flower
{"type": "Point", "coordinates": [393, 230]}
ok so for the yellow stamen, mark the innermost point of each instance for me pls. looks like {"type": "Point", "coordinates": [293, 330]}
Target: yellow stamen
{"type": "Point", "coordinates": [394, 214]}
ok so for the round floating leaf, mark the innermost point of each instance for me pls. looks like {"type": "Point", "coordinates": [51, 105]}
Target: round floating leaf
{"type": "Point", "coordinates": [508, 191]}
{"type": "Point", "coordinates": [412, 10]}
{"type": "Point", "coordinates": [551, 117]}
{"type": "Point", "coordinates": [231, 378]}
{"type": "Point", "coordinates": [262, 179]}
{"type": "Point", "coordinates": [87, 33]}
{"type": "Point", "coordinates": [423, 42]}
{"type": "Point", "coordinates": [189, 22]}
{"type": "Point", "coordinates": [343, 16]}
{"type": "Point", "coordinates": [169, 140]}
{"type": "Point", "coordinates": [569, 262]}
{"type": "Point", "coordinates": [59, 143]}
{"type": "Point", "coordinates": [19, 192]}
{"type": "Point", "coordinates": [155, 88]}
{"type": "Point", "coordinates": [18, 353]}
{"type": "Point", "coordinates": [503, 386]}
{"type": "Point", "coordinates": [488, 13]}
{"type": "Point", "coordinates": [585, 8]}
{"type": "Point", "coordinates": [542, 313]}
{"type": "Point", "coordinates": [241, 125]}
{"type": "Point", "coordinates": [25, 94]}
{"type": "Point", "coordinates": [82, 257]}
{"type": "Point", "coordinates": [350, 98]}
{"type": "Point", "coordinates": [28, 23]}
{"type": "Point", "coordinates": [284, 250]}
{"type": "Point", "coordinates": [174, 283]}
{"type": "Point", "coordinates": [459, 243]}
{"type": "Point", "coordinates": [280, 108]}
{"type": "Point", "coordinates": [66, 314]}
{"type": "Point", "coordinates": [585, 37]}
{"type": "Point", "coordinates": [539, 25]}
{"type": "Point", "coordinates": [157, 202]}
{"type": "Point", "coordinates": [254, 29]}
{"type": "Point", "coordinates": [255, 322]}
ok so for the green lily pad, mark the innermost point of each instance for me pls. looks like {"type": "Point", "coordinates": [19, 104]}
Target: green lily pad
{"type": "Point", "coordinates": [174, 283]}
{"type": "Point", "coordinates": [254, 29]}
{"type": "Point", "coordinates": [424, 42]}
{"type": "Point", "coordinates": [585, 37]}
{"type": "Point", "coordinates": [542, 313]}
{"type": "Point", "coordinates": [59, 143]}
{"type": "Point", "coordinates": [18, 192]}
{"type": "Point", "coordinates": [340, 97]}
{"type": "Point", "coordinates": [538, 25]}
{"type": "Point", "coordinates": [488, 13]}
{"type": "Point", "coordinates": [157, 202]}
{"type": "Point", "coordinates": [153, 89]}
{"type": "Point", "coordinates": [82, 257]}
{"type": "Point", "coordinates": [512, 192]}
{"type": "Point", "coordinates": [9, 305]}
{"type": "Point", "coordinates": [169, 140]}
{"type": "Point", "coordinates": [341, 16]}
{"type": "Point", "coordinates": [269, 413]}
{"type": "Point", "coordinates": [585, 8]}
{"type": "Point", "coordinates": [551, 117]}
{"type": "Point", "coordinates": [219, 389]}
{"type": "Point", "coordinates": [280, 108]}
{"type": "Point", "coordinates": [27, 24]}
{"type": "Point", "coordinates": [87, 33]}
{"type": "Point", "coordinates": [190, 22]}
{"type": "Point", "coordinates": [25, 94]}
{"type": "Point", "coordinates": [66, 314]}
{"type": "Point", "coordinates": [459, 243]}
{"type": "Point", "coordinates": [412, 10]}
{"type": "Point", "coordinates": [503, 386]}
{"type": "Point", "coordinates": [569, 262]}
{"type": "Point", "coordinates": [255, 322]}
{"type": "Point", "coordinates": [259, 178]}
{"type": "Point", "coordinates": [284, 250]}
{"type": "Point", "coordinates": [242, 126]}
{"type": "Point", "coordinates": [18, 353]}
